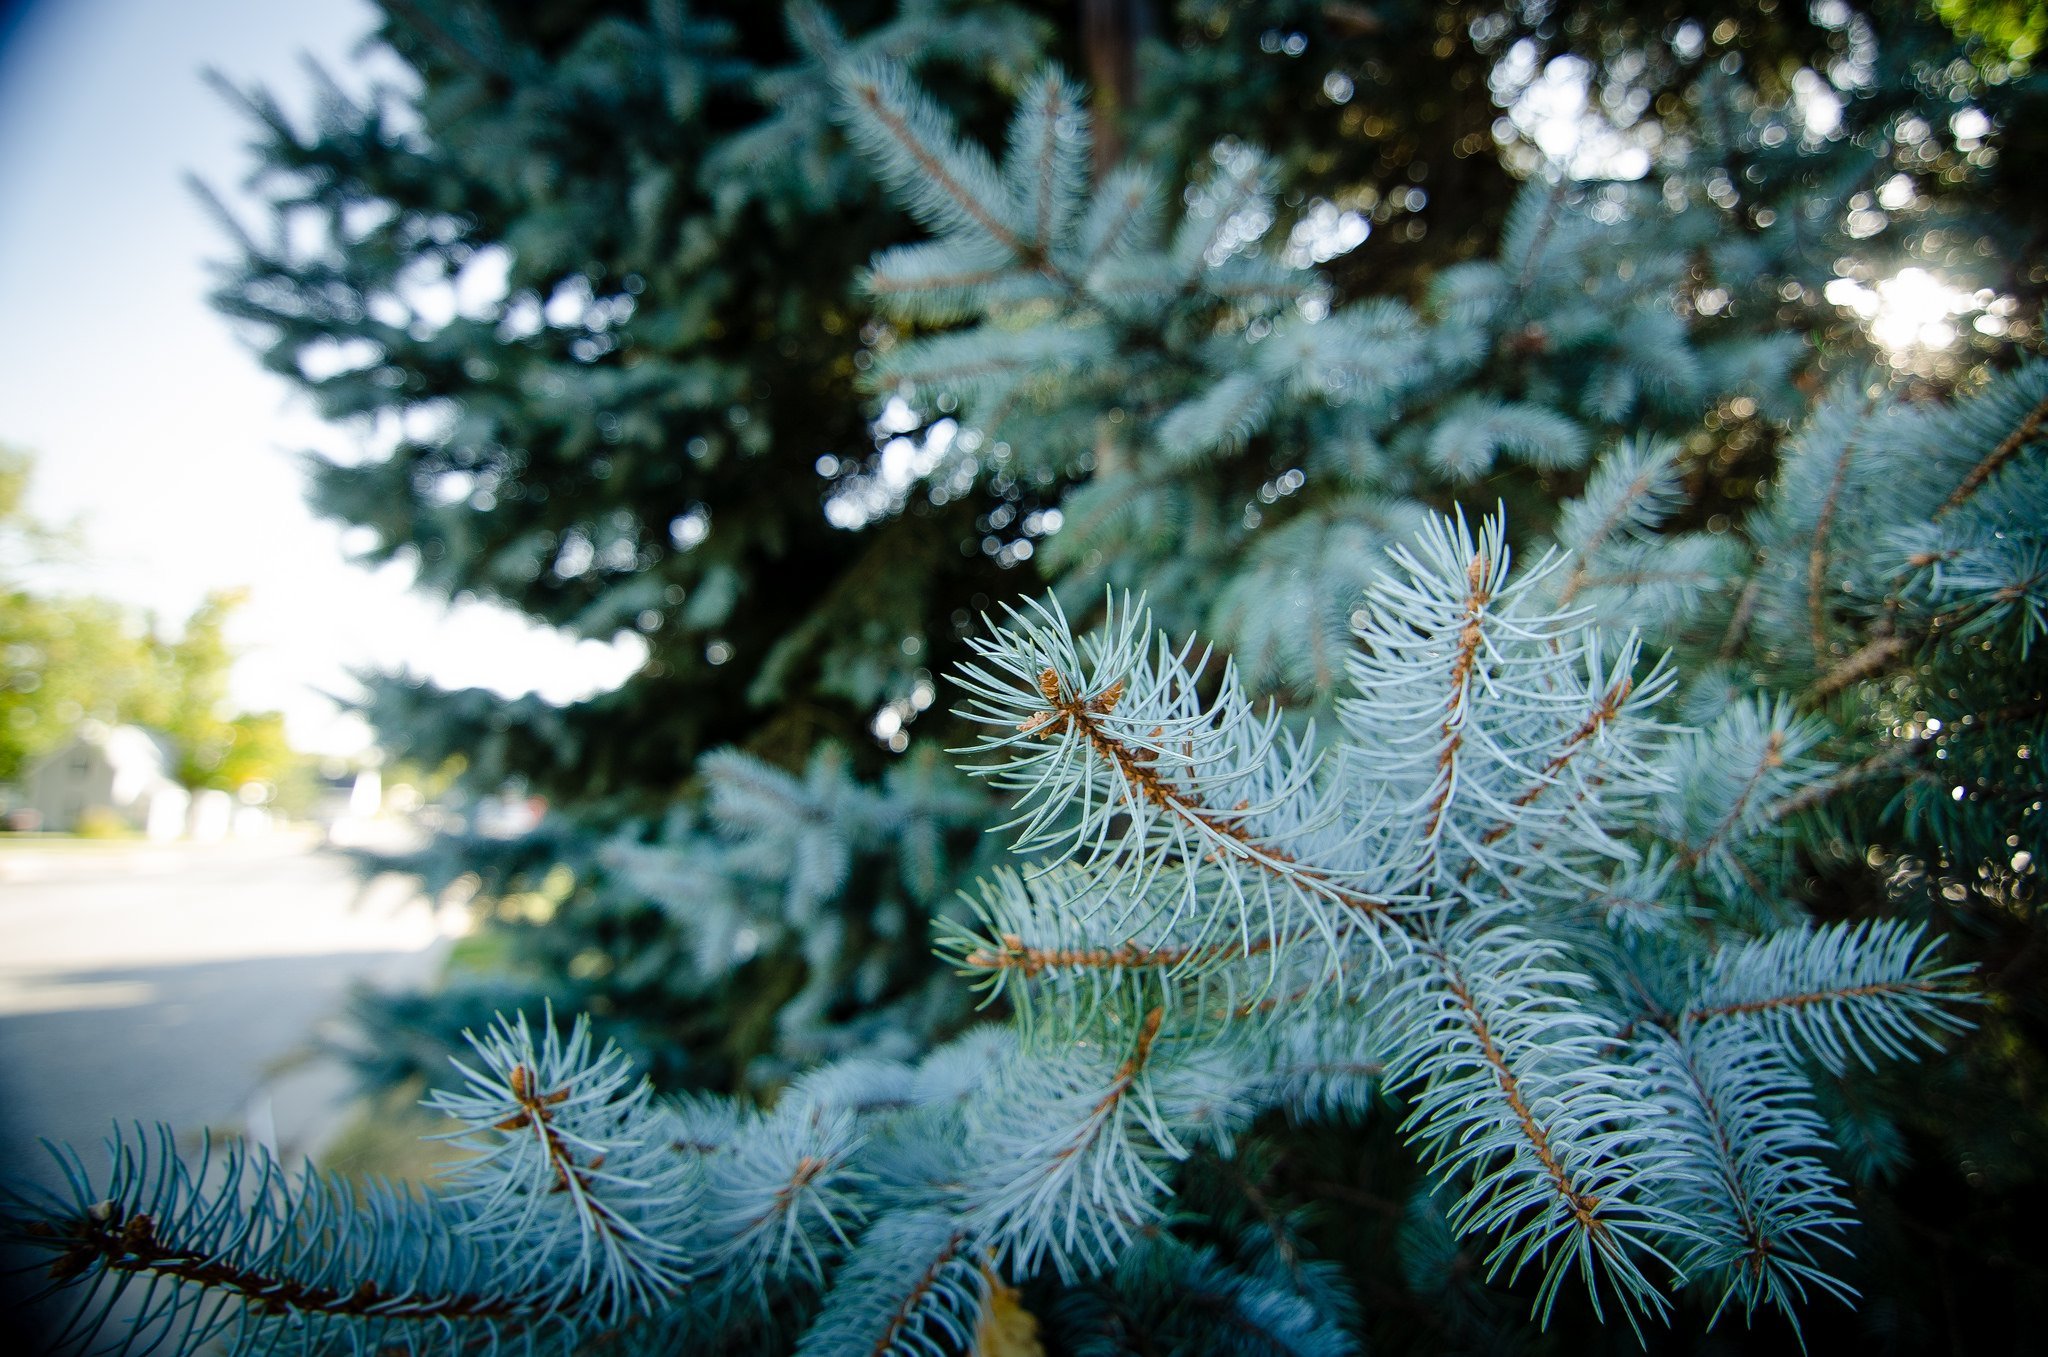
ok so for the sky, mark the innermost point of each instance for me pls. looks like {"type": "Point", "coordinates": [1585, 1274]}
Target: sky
{"type": "Point", "coordinates": [151, 423]}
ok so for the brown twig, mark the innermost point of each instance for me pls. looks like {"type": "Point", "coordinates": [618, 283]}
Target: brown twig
{"type": "Point", "coordinates": [1813, 793]}
{"type": "Point", "coordinates": [1738, 622]}
{"type": "Point", "coordinates": [2029, 429]}
{"type": "Point", "coordinates": [1868, 659]}
{"type": "Point", "coordinates": [1773, 757]}
{"type": "Point", "coordinates": [1477, 596]}
{"type": "Point", "coordinates": [1029, 962]}
{"type": "Point", "coordinates": [1136, 767]}
{"type": "Point", "coordinates": [1817, 554]}
{"type": "Point", "coordinates": [131, 1245]}
{"type": "Point", "coordinates": [1807, 999]}
{"type": "Point", "coordinates": [1583, 1206]}
{"type": "Point", "coordinates": [880, 285]}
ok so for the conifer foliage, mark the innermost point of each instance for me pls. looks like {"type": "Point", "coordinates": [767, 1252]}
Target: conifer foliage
{"type": "Point", "coordinates": [1229, 919]}
{"type": "Point", "coordinates": [1416, 742]}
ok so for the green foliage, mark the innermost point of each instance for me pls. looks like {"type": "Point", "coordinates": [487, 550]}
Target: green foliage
{"type": "Point", "coordinates": [185, 696]}
{"type": "Point", "coordinates": [64, 660]}
{"type": "Point", "coordinates": [67, 659]}
{"type": "Point", "coordinates": [2009, 29]}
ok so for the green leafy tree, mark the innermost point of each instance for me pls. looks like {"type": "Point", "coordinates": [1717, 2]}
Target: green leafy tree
{"type": "Point", "coordinates": [61, 661]}
{"type": "Point", "coordinates": [185, 692]}
{"type": "Point", "coordinates": [25, 540]}
{"type": "Point", "coordinates": [66, 659]}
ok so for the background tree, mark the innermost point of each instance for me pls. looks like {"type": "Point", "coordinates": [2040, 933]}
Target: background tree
{"type": "Point", "coordinates": [64, 660]}
{"type": "Point", "coordinates": [67, 658]}
{"type": "Point", "coordinates": [623, 233]}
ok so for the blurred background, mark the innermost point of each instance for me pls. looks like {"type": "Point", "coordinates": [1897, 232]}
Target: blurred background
{"type": "Point", "coordinates": [450, 559]}
{"type": "Point", "coordinates": [174, 616]}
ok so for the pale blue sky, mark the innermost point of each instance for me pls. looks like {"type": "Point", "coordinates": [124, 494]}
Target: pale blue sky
{"type": "Point", "coordinates": [149, 420]}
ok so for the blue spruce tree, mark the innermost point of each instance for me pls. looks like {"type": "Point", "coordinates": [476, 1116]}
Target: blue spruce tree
{"type": "Point", "coordinates": [1621, 718]}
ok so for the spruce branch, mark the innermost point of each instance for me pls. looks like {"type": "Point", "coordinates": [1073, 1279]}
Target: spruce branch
{"type": "Point", "coordinates": [1225, 831]}
{"type": "Point", "coordinates": [1840, 992]}
{"type": "Point", "coordinates": [1630, 492]}
{"type": "Point", "coordinates": [1531, 222]}
{"type": "Point", "coordinates": [1603, 714]}
{"type": "Point", "coordinates": [1581, 1204]}
{"type": "Point", "coordinates": [1756, 754]}
{"type": "Point", "coordinates": [1763, 1202]}
{"type": "Point", "coordinates": [234, 1251]}
{"type": "Point", "coordinates": [2028, 430]}
{"type": "Point", "coordinates": [1073, 1151]}
{"type": "Point", "coordinates": [571, 1168]}
{"type": "Point", "coordinates": [786, 1201]}
{"type": "Point", "coordinates": [870, 94]}
{"type": "Point", "coordinates": [1119, 762]}
{"type": "Point", "coordinates": [1222, 911]}
{"type": "Point", "coordinates": [1047, 166]}
{"type": "Point", "coordinates": [947, 182]}
{"type": "Point", "coordinates": [1475, 697]}
{"type": "Point", "coordinates": [1040, 926]}
{"type": "Point", "coordinates": [915, 1286]}
{"type": "Point", "coordinates": [1238, 186]}
{"type": "Point", "coordinates": [1119, 217]}
{"type": "Point", "coordinates": [1512, 1089]}
{"type": "Point", "coordinates": [1048, 944]}
{"type": "Point", "coordinates": [1218, 421]}
{"type": "Point", "coordinates": [480, 65]}
{"type": "Point", "coordinates": [1817, 551]}
{"type": "Point", "coordinates": [1768, 761]}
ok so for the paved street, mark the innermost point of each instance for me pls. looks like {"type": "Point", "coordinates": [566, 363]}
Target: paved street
{"type": "Point", "coordinates": [182, 983]}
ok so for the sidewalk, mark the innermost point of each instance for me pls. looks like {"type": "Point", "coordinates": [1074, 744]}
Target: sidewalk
{"type": "Point", "coordinates": [185, 983]}
{"type": "Point", "coordinates": [37, 857]}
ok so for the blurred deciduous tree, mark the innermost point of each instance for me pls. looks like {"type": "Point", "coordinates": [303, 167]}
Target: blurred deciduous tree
{"type": "Point", "coordinates": [67, 658]}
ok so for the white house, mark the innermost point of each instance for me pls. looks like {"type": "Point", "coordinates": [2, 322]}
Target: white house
{"type": "Point", "coordinates": [125, 770]}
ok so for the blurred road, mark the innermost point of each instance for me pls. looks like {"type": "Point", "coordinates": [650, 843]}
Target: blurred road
{"type": "Point", "coordinates": [182, 983]}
